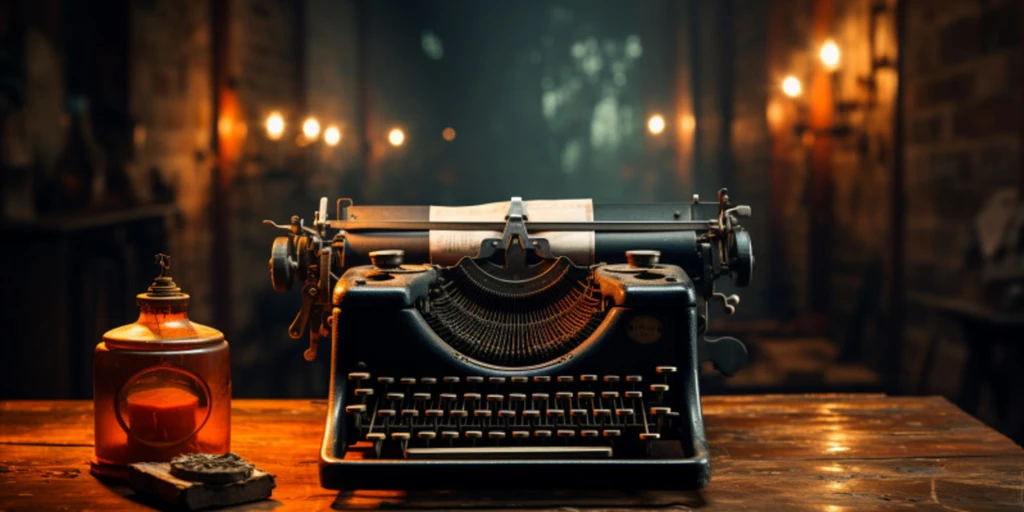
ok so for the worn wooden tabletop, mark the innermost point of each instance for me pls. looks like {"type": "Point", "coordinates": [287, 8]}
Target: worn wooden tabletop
{"type": "Point", "coordinates": [793, 452]}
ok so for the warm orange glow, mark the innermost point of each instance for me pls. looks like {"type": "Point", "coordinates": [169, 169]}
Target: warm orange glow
{"type": "Point", "coordinates": [448, 134]}
{"type": "Point", "coordinates": [275, 126]}
{"type": "Point", "coordinates": [311, 128]}
{"type": "Point", "coordinates": [829, 55]}
{"type": "Point", "coordinates": [688, 123]}
{"type": "Point", "coordinates": [396, 137]}
{"type": "Point", "coordinates": [332, 136]}
{"type": "Point", "coordinates": [791, 86]}
{"type": "Point", "coordinates": [656, 124]}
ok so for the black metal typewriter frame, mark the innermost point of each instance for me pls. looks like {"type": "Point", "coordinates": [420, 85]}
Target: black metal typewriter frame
{"type": "Point", "coordinates": [691, 470]}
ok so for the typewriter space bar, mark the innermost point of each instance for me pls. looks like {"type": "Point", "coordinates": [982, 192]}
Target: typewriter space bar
{"type": "Point", "coordinates": [511, 452]}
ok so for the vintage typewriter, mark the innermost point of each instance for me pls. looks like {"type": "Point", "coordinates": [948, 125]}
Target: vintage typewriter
{"type": "Point", "coordinates": [520, 344]}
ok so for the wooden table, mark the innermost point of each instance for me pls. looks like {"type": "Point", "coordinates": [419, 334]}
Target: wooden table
{"type": "Point", "coordinates": [776, 452]}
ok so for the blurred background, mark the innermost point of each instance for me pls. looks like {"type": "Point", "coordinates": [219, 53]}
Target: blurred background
{"type": "Point", "coordinates": [877, 141]}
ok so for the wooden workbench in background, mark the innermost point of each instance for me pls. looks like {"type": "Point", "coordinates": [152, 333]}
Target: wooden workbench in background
{"type": "Point", "coordinates": [769, 452]}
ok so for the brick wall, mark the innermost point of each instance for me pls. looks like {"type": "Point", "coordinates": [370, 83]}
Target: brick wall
{"type": "Point", "coordinates": [963, 111]}
{"type": "Point", "coordinates": [170, 96]}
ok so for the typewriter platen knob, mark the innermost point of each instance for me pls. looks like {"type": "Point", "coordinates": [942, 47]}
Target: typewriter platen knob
{"type": "Point", "coordinates": [643, 259]}
{"type": "Point", "coordinates": [387, 260]}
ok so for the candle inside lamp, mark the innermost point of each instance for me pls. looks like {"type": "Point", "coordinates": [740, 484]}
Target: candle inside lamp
{"type": "Point", "coordinates": [162, 421]}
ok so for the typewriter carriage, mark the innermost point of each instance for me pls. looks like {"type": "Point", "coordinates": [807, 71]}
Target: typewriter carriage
{"type": "Point", "coordinates": [514, 310]}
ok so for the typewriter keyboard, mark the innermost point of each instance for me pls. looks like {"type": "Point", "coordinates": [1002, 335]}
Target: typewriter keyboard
{"type": "Point", "coordinates": [541, 416]}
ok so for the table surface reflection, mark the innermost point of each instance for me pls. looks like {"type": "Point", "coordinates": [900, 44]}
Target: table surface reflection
{"type": "Point", "coordinates": [773, 452]}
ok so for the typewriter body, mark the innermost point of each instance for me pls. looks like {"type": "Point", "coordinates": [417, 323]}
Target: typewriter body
{"type": "Point", "coordinates": [524, 344]}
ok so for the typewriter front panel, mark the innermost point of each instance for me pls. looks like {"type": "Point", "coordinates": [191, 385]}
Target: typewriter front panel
{"type": "Point", "coordinates": [406, 403]}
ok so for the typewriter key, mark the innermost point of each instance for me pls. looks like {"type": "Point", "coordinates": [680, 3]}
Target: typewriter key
{"type": "Point", "coordinates": [428, 380]}
{"type": "Point", "coordinates": [451, 380]}
{"type": "Point", "coordinates": [520, 434]}
{"type": "Point", "coordinates": [496, 380]}
{"type": "Point", "coordinates": [358, 376]}
{"type": "Point", "coordinates": [520, 380]}
{"type": "Point", "coordinates": [666, 369]}
{"type": "Point", "coordinates": [588, 433]}
{"type": "Point", "coordinates": [588, 378]}
{"type": "Point", "coordinates": [634, 378]}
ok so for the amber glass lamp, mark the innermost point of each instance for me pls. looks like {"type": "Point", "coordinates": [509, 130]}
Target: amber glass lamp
{"type": "Point", "coordinates": [162, 385]}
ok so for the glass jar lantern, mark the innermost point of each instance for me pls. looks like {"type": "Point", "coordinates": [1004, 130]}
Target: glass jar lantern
{"type": "Point", "coordinates": [162, 385]}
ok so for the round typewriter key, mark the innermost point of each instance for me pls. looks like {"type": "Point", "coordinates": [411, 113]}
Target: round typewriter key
{"type": "Point", "coordinates": [495, 398]}
{"type": "Point", "coordinates": [576, 413]}
{"type": "Point", "coordinates": [435, 413]}
{"type": "Point", "coordinates": [482, 413]}
{"type": "Point", "coordinates": [396, 396]}
{"type": "Point", "coordinates": [611, 433]}
{"type": "Point", "coordinates": [410, 412]}
{"type": "Point", "coordinates": [428, 380]}
{"type": "Point", "coordinates": [386, 380]}
{"type": "Point", "coordinates": [666, 369]}
{"type": "Point", "coordinates": [448, 397]}
{"type": "Point", "coordinates": [520, 434]}
{"type": "Point", "coordinates": [611, 378]}
{"type": "Point", "coordinates": [496, 380]}
{"type": "Point", "coordinates": [408, 380]}
{"type": "Point", "coordinates": [517, 397]}
{"type": "Point", "coordinates": [520, 380]}
{"type": "Point", "coordinates": [649, 436]}
{"type": "Point", "coordinates": [389, 413]}
{"type": "Point", "coordinates": [459, 413]}
{"type": "Point", "coordinates": [586, 395]}
{"type": "Point", "coordinates": [542, 378]}
{"type": "Point", "coordinates": [634, 394]}
{"type": "Point", "coordinates": [364, 392]}
{"type": "Point", "coordinates": [634, 378]}
{"type": "Point", "coordinates": [541, 433]}
{"type": "Point", "coordinates": [475, 380]}
{"type": "Point", "coordinates": [450, 434]}
{"type": "Point", "coordinates": [658, 411]}
{"type": "Point", "coordinates": [424, 434]}
{"type": "Point", "coordinates": [211, 468]}
{"type": "Point", "coordinates": [400, 436]}
{"type": "Point", "coordinates": [376, 436]}
{"type": "Point", "coordinates": [609, 394]}
{"type": "Point", "coordinates": [566, 433]}
{"type": "Point", "coordinates": [564, 395]}
{"type": "Point", "coordinates": [588, 378]}
{"type": "Point", "coordinates": [474, 434]}
{"type": "Point", "coordinates": [589, 433]}
{"type": "Point", "coordinates": [421, 397]}
{"type": "Point", "coordinates": [451, 380]}
{"type": "Point", "coordinates": [659, 388]}
{"type": "Point", "coordinates": [623, 412]}
{"type": "Point", "coordinates": [505, 413]}
{"type": "Point", "coordinates": [358, 376]}
{"type": "Point", "coordinates": [496, 434]}
{"type": "Point", "coordinates": [565, 378]}
{"type": "Point", "coordinates": [355, 409]}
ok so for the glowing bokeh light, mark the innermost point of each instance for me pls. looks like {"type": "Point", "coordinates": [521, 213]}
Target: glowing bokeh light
{"type": "Point", "coordinates": [311, 128]}
{"type": "Point", "coordinates": [791, 86]}
{"type": "Point", "coordinates": [656, 124]}
{"type": "Point", "coordinates": [829, 55]}
{"type": "Point", "coordinates": [448, 134]}
{"type": "Point", "coordinates": [396, 137]}
{"type": "Point", "coordinates": [332, 136]}
{"type": "Point", "coordinates": [275, 126]}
